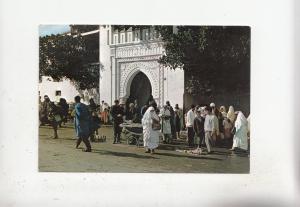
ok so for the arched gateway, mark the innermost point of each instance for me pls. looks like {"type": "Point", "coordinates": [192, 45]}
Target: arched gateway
{"type": "Point", "coordinates": [145, 79]}
{"type": "Point", "coordinates": [130, 57]}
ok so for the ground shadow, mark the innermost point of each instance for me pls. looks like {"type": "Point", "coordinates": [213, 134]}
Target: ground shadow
{"type": "Point", "coordinates": [222, 153]}
{"type": "Point", "coordinates": [49, 137]}
{"type": "Point", "coordinates": [240, 154]}
{"type": "Point", "coordinates": [187, 156]}
{"type": "Point", "coordinates": [122, 154]}
{"type": "Point", "coordinates": [173, 147]}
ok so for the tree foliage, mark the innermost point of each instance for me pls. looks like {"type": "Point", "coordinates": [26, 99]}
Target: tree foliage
{"type": "Point", "coordinates": [192, 46]}
{"type": "Point", "coordinates": [213, 57]}
{"type": "Point", "coordinates": [67, 56]}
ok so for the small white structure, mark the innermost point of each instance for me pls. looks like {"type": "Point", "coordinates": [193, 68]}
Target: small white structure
{"type": "Point", "coordinates": [64, 89]}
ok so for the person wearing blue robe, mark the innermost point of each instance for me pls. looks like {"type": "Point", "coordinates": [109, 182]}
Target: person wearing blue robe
{"type": "Point", "coordinates": [82, 124]}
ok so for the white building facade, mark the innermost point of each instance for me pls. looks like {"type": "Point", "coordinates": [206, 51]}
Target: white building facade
{"type": "Point", "coordinates": [130, 60]}
{"type": "Point", "coordinates": [131, 71]}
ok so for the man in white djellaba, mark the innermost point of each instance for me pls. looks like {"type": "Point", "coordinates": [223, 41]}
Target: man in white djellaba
{"type": "Point", "coordinates": [208, 127]}
{"type": "Point", "coordinates": [189, 125]}
{"type": "Point", "coordinates": [165, 115]}
{"type": "Point", "coordinates": [151, 127]}
{"type": "Point", "coordinates": [240, 139]}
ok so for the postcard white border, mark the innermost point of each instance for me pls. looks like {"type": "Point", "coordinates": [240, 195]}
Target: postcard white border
{"type": "Point", "coordinates": [272, 179]}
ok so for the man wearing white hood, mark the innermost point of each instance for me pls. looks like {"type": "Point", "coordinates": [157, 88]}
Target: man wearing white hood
{"type": "Point", "coordinates": [240, 139]}
{"type": "Point", "coordinates": [151, 127]}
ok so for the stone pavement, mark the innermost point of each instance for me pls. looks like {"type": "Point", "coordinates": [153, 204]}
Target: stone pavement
{"type": "Point", "coordinates": [60, 155]}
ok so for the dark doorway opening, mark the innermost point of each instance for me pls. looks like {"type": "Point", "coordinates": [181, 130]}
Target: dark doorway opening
{"type": "Point", "coordinates": [140, 90]}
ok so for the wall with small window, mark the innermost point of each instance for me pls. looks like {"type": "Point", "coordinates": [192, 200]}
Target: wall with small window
{"type": "Point", "coordinates": [116, 39]}
{"type": "Point", "coordinates": [122, 38]}
{"type": "Point", "coordinates": [129, 36]}
{"type": "Point", "coordinates": [133, 35]}
{"type": "Point", "coordinates": [145, 34]}
{"type": "Point", "coordinates": [152, 33]}
{"type": "Point", "coordinates": [137, 35]}
{"type": "Point", "coordinates": [107, 37]}
{"type": "Point", "coordinates": [58, 93]}
{"type": "Point", "coordinates": [56, 90]}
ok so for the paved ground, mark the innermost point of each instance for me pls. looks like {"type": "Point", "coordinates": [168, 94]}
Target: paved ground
{"type": "Point", "coordinates": [60, 155]}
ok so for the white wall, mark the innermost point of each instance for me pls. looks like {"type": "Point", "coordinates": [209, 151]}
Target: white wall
{"type": "Point", "coordinates": [105, 80]}
{"type": "Point", "coordinates": [68, 91]}
{"type": "Point", "coordinates": [48, 87]}
{"type": "Point", "coordinates": [174, 86]}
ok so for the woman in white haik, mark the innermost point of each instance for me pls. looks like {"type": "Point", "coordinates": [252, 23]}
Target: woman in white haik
{"type": "Point", "coordinates": [240, 139]}
{"type": "Point", "coordinates": [151, 134]}
{"type": "Point", "coordinates": [230, 114]}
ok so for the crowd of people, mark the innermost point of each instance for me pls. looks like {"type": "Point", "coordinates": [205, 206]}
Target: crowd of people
{"type": "Point", "coordinates": [85, 117]}
{"type": "Point", "coordinates": [217, 127]}
{"type": "Point", "coordinates": [205, 125]}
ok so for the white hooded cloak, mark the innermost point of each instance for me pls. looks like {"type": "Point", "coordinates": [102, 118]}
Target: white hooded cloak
{"type": "Point", "coordinates": [240, 139]}
{"type": "Point", "coordinates": [151, 137]}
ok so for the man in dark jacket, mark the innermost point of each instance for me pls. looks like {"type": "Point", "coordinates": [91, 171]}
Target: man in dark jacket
{"type": "Point", "coordinates": [117, 112]}
{"type": "Point", "coordinates": [93, 109]}
{"type": "Point", "coordinates": [199, 127]}
{"type": "Point", "coordinates": [50, 115]}
{"type": "Point", "coordinates": [45, 110]}
{"type": "Point", "coordinates": [64, 109]}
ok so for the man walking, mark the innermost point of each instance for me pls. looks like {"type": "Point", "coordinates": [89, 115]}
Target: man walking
{"type": "Point", "coordinates": [189, 125]}
{"type": "Point", "coordinates": [50, 115]}
{"type": "Point", "coordinates": [82, 124]}
{"type": "Point", "coordinates": [117, 113]}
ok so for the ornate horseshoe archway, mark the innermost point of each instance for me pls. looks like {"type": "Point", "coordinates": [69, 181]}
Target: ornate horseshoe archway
{"type": "Point", "coordinates": [130, 69]}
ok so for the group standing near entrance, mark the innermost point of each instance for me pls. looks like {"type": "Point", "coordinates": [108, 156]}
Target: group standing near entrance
{"type": "Point", "coordinates": [204, 125]}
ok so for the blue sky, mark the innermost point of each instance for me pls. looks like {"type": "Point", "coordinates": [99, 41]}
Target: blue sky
{"type": "Point", "coordinates": [52, 29]}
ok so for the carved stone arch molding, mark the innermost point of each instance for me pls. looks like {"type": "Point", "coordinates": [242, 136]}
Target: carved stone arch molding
{"type": "Point", "coordinates": [130, 69]}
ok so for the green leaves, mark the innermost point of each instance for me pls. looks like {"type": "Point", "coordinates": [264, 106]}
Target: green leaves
{"type": "Point", "coordinates": [215, 55]}
{"type": "Point", "coordinates": [191, 45]}
{"type": "Point", "coordinates": [72, 57]}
